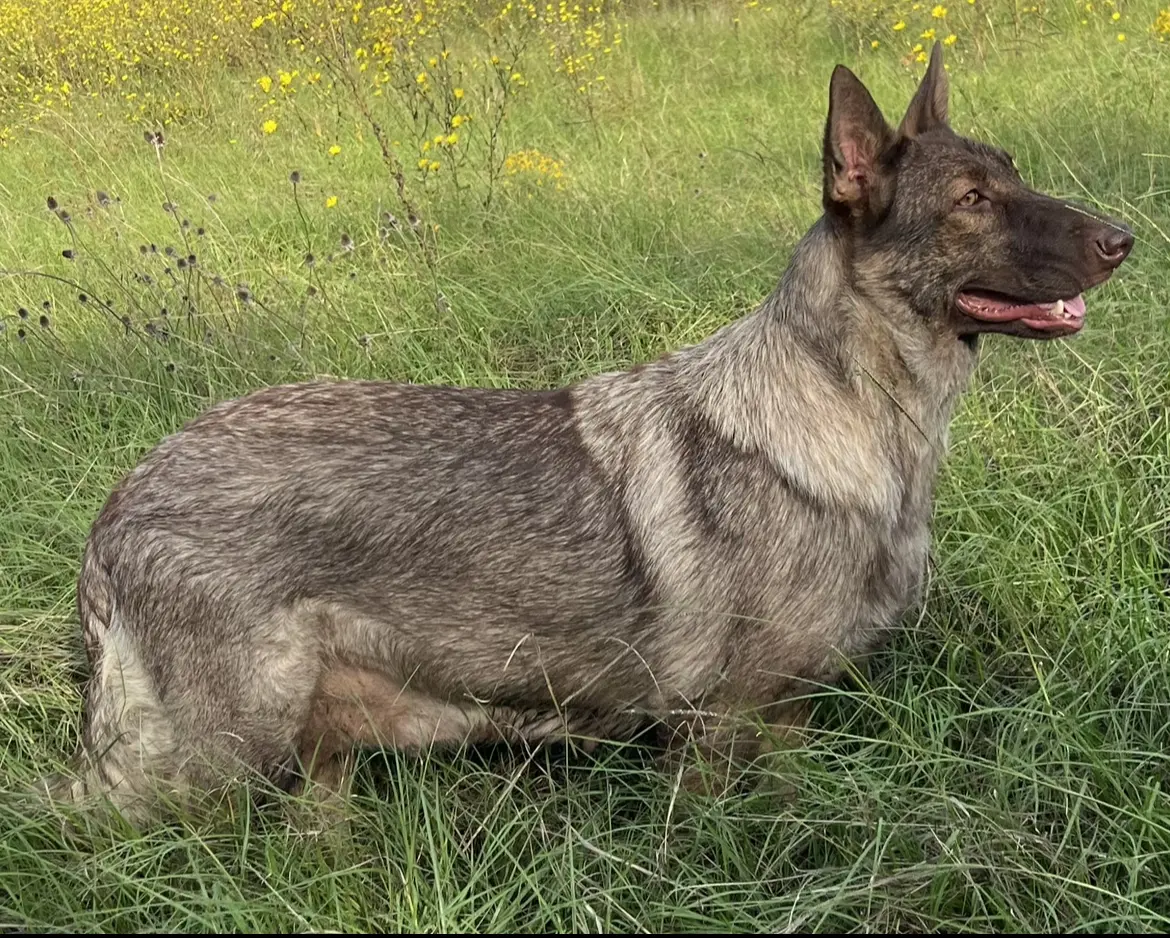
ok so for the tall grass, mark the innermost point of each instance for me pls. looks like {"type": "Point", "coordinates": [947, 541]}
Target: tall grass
{"type": "Point", "coordinates": [1002, 766]}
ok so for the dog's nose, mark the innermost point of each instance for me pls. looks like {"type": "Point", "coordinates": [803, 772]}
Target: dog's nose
{"type": "Point", "coordinates": [1114, 245]}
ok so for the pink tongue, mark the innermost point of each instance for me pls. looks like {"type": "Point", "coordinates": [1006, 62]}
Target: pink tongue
{"type": "Point", "coordinates": [991, 309]}
{"type": "Point", "coordinates": [1072, 315]}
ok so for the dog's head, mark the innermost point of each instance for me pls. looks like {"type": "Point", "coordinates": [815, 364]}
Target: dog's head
{"type": "Point", "coordinates": [948, 224]}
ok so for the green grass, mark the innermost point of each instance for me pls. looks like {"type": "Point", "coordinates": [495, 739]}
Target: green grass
{"type": "Point", "coordinates": [1003, 766]}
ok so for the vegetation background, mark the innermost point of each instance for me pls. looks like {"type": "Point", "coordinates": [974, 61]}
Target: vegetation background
{"type": "Point", "coordinates": [204, 198]}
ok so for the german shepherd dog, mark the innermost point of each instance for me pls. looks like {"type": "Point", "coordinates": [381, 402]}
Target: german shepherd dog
{"type": "Point", "coordinates": [323, 566]}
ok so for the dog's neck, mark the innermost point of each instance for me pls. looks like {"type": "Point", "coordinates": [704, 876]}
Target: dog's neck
{"type": "Point", "coordinates": [820, 376]}
{"type": "Point", "coordinates": [866, 331]}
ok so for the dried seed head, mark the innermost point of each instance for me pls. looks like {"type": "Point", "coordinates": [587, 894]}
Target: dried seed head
{"type": "Point", "coordinates": [67, 254]}
{"type": "Point", "coordinates": [211, 197]}
{"type": "Point", "coordinates": [127, 323]}
{"type": "Point", "coordinates": [103, 198]}
{"type": "Point", "coordinates": [244, 294]}
{"type": "Point", "coordinates": [20, 334]}
{"type": "Point", "coordinates": [191, 260]}
{"type": "Point", "coordinates": [170, 368]}
{"type": "Point", "coordinates": [82, 298]}
{"type": "Point", "coordinates": [44, 321]}
{"type": "Point", "coordinates": [310, 260]}
{"type": "Point", "coordinates": [185, 224]}
{"type": "Point", "coordinates": [163, 312]}
{"type": "Point", "coordinates": [46, 304]}
{"type": "Point", "coordinates": [169, 251]}
{"type": "Point", "coordinates": [52, 203]}
{"type": "Point", "coordinates": [200, 231]}
{"type": "Point", "coordinates": [182, 263]}
{"type": "Point", "coordinates": [346, 242]}
{"type": "Point", "coordinates": [154, 249]}
{"type": "Point", "coordinates": [312, 291]}
{"type": "Point", "coordinates": [295, 177]}
{"type": "Point", "coordinates": [149, 327]}
{"type": "Point", "coordinates": [143, 249]}
{"type": "Point", "coordinates": [22, 313]}
{"type": "Point", "coordinates": [364, 341]}
{"type": "Point", "coordinates": [170, 207]}
{"type": "Point", "coordinates": [65, 217]}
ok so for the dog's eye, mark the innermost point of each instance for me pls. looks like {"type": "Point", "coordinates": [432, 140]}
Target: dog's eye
{"type": "Point", "coordinates": [971, 198]}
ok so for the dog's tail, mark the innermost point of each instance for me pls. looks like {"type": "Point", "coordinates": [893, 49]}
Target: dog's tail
{"type": "Point", "coordinates": [127, 738]}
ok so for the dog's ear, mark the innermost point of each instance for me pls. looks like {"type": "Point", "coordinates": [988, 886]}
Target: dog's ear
{"type": "Point", "coordinates": [928, 107]}
{"type": "Point", "coordinates": [856, 139]}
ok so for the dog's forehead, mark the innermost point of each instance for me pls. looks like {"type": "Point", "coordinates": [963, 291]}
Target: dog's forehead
{"type": "Point", "coordinates": [947, 152]}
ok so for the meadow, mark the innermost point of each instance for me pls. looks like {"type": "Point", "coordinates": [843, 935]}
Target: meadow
{"type": "Point", "coordinates": [199, 200]}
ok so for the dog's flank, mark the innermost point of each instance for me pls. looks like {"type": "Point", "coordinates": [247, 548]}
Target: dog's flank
{"type": "Point", "coordinates": [703, 537]}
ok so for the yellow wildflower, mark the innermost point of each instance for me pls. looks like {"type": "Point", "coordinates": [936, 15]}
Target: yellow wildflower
{"type": "Point", "coordinates": [334, 150]}
{"type": "Point", "coordinates": [331, 202]}
{"type": "Point", "coordinates": [939, 12]}
{"type": "Point", "coordinates": [265, 83]}
{"type": "Point", "coordinates": [269, 126]}
{"type": "Point", "coordinates": [950, 40]}
{"type": "Point", "coordinates": [899, 26]}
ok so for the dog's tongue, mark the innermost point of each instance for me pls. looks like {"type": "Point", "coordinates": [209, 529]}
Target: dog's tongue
{"type": "Point", "coordinates": [989, 308]}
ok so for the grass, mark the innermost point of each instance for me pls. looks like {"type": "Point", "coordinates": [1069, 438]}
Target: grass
{"type": "Point", "coordinates": [1001, 767]}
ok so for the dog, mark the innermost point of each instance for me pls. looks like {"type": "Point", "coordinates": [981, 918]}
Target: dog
{"type": "Point", "coordinates": [694, 542]}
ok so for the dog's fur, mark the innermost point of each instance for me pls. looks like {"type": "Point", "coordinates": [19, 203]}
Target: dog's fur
{"type": "Point", "coordinates": [318, 566]}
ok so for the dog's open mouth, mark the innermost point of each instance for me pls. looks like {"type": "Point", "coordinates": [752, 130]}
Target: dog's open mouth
{"type": "Point", "coordinates": [1057, 316]}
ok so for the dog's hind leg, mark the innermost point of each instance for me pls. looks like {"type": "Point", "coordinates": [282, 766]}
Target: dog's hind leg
{"type": "Point", "coordinates": [706, 749]}
{"type": "Point", "coordinates": [225, 710]}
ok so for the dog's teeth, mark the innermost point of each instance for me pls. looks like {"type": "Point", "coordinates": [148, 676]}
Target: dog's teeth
{"type": "Point", "coordinates": [1058, 308]}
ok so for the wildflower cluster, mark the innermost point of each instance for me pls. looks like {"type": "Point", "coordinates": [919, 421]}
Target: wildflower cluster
{"type": "Point", "coordinates": [1161, 26]}
{"type": "Point", "coordinates": [908, 28]}
{"type": "Point", "coordinates": [139, 59]}
{"type": "Point", "coordinates": [53, 52]}
{"type": "Point", "coordinates": [536, 167]}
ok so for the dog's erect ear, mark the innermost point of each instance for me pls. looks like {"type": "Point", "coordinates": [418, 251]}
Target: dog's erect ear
{"type": "Point", "coordinates": [928, 107]}
{"type": "Point", "coordinates": [856, 138]}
